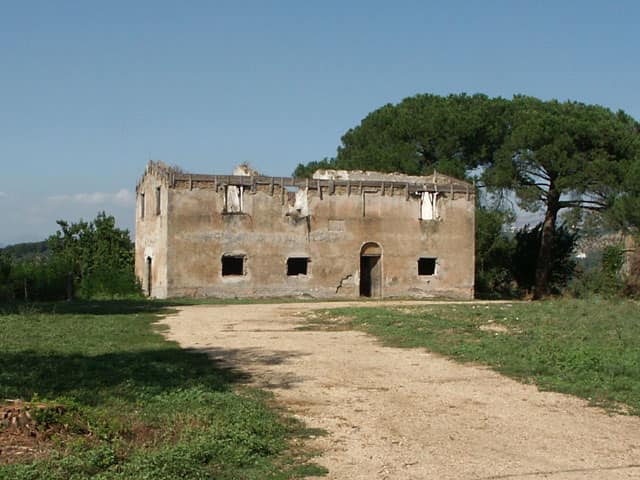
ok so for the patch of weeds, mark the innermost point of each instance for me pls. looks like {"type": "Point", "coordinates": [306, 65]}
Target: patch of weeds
{"type": "Point", "coordinates": [61, 416]}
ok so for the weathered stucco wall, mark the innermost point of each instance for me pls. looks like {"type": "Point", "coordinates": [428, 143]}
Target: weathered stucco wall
{"type": "Point", "coordinates": [151, 236]}
{"type": "Point", "coordinates": [192, 233]}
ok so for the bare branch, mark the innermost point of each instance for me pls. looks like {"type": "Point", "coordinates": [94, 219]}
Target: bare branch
{"type": "Point", "coordinates": [583, 203]}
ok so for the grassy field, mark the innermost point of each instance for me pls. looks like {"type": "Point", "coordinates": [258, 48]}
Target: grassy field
{"type": "Point", "coordinates": [122, 402]}
{"type": "Point", "coordinates": [586, 348]}
{"type": "Point", "coordinates": [118, 401]}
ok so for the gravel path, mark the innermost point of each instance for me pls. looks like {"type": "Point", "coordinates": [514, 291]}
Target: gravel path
{"type": "Point", "coordinates": [395, 413]}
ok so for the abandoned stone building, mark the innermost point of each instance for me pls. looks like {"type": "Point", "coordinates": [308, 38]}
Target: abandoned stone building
{"type": "Point", "coordinates": [339, 234]}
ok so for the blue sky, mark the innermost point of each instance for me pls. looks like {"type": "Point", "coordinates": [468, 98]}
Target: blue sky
{"type": "Point", "coordinates": [89, 90]}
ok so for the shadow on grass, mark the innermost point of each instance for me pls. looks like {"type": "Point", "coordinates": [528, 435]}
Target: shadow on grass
{"type": "Point", "coordinates": [125, 376]}
{"type": "Point", "coordinates": [91, 307]}
{"type": "Point", "coordinates": [48, 352]}
{"type": "Point", "coordinates": [126, 364]}
{"type": "Point", "coordinates": [121, 367]}
{"type": "Point", "coordinates": [155, 306]}
{"type": "Point", "coordinates": [127, 306]}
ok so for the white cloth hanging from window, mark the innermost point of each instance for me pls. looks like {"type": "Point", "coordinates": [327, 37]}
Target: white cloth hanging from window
{"type": "Point", "coordinates": [234, 199]}
{"type": "Point", "coordinates": [429, 206]}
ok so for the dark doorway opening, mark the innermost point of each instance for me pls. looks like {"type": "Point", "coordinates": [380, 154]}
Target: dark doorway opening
{"type": "Point", "coordinates": [148, 276]}
{"type": "Point", "coordinates": [297, 266]}
{"type": "Point", "coordinates": [371, 270]}
{"type": "Point", "coordinates": [232, 265]}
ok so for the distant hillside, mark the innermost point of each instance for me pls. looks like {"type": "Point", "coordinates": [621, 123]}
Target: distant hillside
{"type": "Point", "coordinates": [26, 251]}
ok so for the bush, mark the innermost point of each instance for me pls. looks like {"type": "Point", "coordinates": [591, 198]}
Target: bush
{"type": "Point", "coordinates": [38, 279]}
{"type": "Point", "coordinates": [94, 259]}
{"type": "Point", "coordinates": [6, 288]}
{"type": "Point", "coordinates": [110, 282]}
{"type": "Point", "coordinates": [604, 279]}
{"type": "Point", "coordinates": [99, 255]}
{"type": "Point", "coordinates": [632, 286]}
{"type": "Point", "coordinates": [525, 257]}
{"type": "Point", "coordinates": [494, 254]}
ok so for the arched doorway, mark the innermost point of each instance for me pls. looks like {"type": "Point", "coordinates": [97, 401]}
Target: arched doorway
{"type": "Point", "coordinates": [148, 276]}
{"type": "Point", "coordinates": [371, 270]}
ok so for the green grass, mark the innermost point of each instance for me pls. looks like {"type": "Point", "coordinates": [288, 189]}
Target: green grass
{"type": "Point", "coordinates": [586, 348]}
{"type": "Point", "coordinates": [135, 405]}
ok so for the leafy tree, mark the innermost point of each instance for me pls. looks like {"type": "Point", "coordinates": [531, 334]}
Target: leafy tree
{"type": "Point", "coordinates": [562, 155]}
{"type": "Point", "coordinates": [72, 246]}
{"type": "Point", "coordinates": [452, 134]}
{"type": "Point", "coordinates": [306, 171]}
{"type": "Point", "coordinates": [5, 267]}
{"type": "Point", "coordinates": [5, 275]}
{"type": "Point", "coordinates": [95, 256]}
{"type": "Point", "coordinates": [98, 255]}
{"type": "Point", "coordinates": [26, 273]}
{"type": "Point", "coordinates": [625, 211]}
{"type": "Point", "coordinates": [562, 264]}
{"type": "Point", "coordinates": [553, 155]}
{"type": "Point", "coordinates": [39, 278]}
{"type": "Point", "coordinates": [494, 252]}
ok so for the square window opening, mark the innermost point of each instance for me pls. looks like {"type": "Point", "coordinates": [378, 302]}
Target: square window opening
{"type": "Point", "coordinates": [297, 266]}
{"type": "Point", "coordinates": [429, 206]}
{"type": "Point", "coordinates": [232, 265]}
{"type": "Point", "coordinates": [426, 266]}
{"type": "Point", "coordinates": [234, 199]}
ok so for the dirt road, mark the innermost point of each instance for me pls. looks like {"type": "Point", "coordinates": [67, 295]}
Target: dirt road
{"type": "Point", "coordinates": [406, 413]}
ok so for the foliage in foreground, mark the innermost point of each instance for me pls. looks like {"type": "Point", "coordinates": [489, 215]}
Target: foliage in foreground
{"type": "Point", "coordinates": [135, 405]}
{"type": "Point", "coordinates": [585, 348]}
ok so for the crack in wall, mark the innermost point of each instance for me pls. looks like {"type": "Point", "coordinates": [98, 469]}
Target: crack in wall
{"type": "Point", "coordinates": [341, 284]}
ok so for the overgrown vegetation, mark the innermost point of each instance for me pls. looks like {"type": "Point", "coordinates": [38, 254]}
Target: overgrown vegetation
{"type": "Point", "coordinates": [125, 403]}
{"type": "Point", "coordinates": [494, 255]}
{"type": "Point", "coordinates": [86, 259]}
{"type": "Point", "coordinates": [605, 277]}
{"type": "Point", "coordinates": [585, 348]}
{"type": "Point", "coordinates": [506, 264]}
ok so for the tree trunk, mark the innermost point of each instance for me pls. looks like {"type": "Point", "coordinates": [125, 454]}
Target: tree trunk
{"type": "Point", "coordinates": [543, 264]}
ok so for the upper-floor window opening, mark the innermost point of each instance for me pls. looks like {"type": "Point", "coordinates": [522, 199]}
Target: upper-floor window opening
{"type": "Point", "coordinates": [157, 200]}
{"type": "Point", "coordinates": [142, 205]}
{"type": "Point", "coordinates": [429, 206]}
{"type": "Point", "coordinates": [234, 199]}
